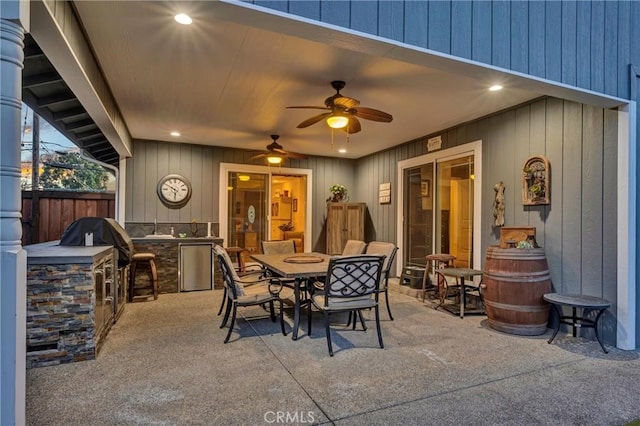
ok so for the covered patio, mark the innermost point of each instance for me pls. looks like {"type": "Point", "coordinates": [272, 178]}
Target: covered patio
{"type": "Point", "coordinates": [435, 369]}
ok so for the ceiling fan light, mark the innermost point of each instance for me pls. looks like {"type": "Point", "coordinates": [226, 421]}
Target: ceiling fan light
{"type": "Point", "coordinates": [337, 121]}
{"type": "Point", "coordinates": [183, 18]}
{"type": "Point", "coordinates": [274, 159]}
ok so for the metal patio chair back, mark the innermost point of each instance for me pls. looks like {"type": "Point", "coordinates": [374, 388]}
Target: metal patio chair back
{"type": "Point", "coordinates": [351, 284]}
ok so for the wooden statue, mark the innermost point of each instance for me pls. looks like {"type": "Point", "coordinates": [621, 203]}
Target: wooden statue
{"type": "Point", "coordinates": [498, 204]}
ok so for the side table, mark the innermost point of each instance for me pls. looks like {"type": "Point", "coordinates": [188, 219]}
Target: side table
{"type": "Point", "coordinates": [576, 301]}
{"type": "Point", "coordinates": [435, 261]}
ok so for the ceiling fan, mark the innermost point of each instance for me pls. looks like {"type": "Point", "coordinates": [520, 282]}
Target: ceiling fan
{"type": "Point", "coordinates": [343, 112]}
{"type": "Point", "coordinates": [275, 154]}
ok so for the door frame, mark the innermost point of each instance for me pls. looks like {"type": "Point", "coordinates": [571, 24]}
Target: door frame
{"type": "Point", "coordinates": [225, 168]}
{"type": "Point", "coordinates": [472, 148]}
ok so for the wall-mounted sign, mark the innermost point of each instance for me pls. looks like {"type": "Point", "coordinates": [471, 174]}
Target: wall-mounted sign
{"type": "Point", "coordinates": [434, 143]}
{"type": "Point", "coordinates": [385, 193]}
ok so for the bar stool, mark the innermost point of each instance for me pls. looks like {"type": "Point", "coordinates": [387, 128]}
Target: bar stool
{"type": "Point", "coordinates": [435, 261]}
{"type": "Point", "coordinates": [153, 274]}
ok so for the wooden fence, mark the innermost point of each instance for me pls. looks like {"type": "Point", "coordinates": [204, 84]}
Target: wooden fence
{"type": "Point", "coordinates": [57, 209]}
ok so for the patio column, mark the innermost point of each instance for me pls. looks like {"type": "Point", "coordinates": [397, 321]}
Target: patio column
{"type": "Point", "coordinates": [13, 266]}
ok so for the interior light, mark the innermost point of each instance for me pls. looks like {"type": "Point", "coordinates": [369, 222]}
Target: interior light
{"type": "Point", "coordinates": [495, 88]}
{"type": "Point", "coordinates": [175, 134]}
{"type": "Point", "coordinates": [244, 178]}
{"type": "Point", "coordinates": [337, 121]}
{"type": "Point", "coordinates": [229, 188]}
{"type": "Point", "coordinates": [342, 150]}
{"type": "Point", "coordinates": [274, 159]}
{"type": "Point", "coordinates": [183, 18]}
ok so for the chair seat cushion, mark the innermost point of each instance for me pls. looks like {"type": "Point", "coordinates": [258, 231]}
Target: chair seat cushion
{"type": "Point", "coordinates": [252, 299]}
{"type": "Point", "coordinates": [337, 304]}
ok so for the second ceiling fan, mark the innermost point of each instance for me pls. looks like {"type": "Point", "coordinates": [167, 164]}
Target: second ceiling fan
{"type": "Point", "coordinates": [343, 112]}
{"type": "Point", "coordinates": [275, 153]}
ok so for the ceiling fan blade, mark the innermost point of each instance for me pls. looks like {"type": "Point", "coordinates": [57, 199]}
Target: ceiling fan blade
{"type": "Point", "coordinates": [255, 157]}
{"type": "Point", "coordinates": [306, 107]}
{"type": "Point", "coordinates": [313, 120]}
{"type": "Point", "coordinates": [353, 126]}
{"type": "Point", "coordinates": [280, 151]}
{"type": "Point", "coordinates": [346, 102]}
{"type": "Point", "coordinates": [373, 114]}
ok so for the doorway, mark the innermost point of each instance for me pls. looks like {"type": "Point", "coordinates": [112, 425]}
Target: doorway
{"type": "Point", "coordinates": [264, 203]}
{"type": "Point", "coordinates": [440, 209]}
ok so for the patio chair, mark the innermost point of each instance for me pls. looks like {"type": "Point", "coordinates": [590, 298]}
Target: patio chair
{"type": "Point", "coordinates": [389, 250]}
{"type": "Point", "coordinates": [353, 247]}
{"type": "Point", "coordinates": [278, 247]}
{"type": "Point", "coordinates": [352, 284]}
{"type": "Point", "coordinates": [242, 274]}
{"type": "Point", "coordinates": [256, 293]}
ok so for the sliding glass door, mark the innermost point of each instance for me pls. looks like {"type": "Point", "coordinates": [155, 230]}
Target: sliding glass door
{"type": "Point", "coordinates": [264, 203]}
{"type": "Point", "coordinates": [246, 210]}
{"type": "Point", "coordinates": [439, 208]}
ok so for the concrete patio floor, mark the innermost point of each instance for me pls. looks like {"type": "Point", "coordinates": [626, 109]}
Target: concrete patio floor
{"type": "Point", "coordinates": [164, 363]}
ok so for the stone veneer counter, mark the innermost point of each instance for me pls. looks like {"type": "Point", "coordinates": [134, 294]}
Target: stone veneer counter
{"type": "Point", "coordinates": [167, 254]}
{"type": "Point", "coordinates": [61, 303]}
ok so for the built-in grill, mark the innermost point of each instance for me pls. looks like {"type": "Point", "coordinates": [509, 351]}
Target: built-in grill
{"type": "Point", "coordinates": [105, 232]}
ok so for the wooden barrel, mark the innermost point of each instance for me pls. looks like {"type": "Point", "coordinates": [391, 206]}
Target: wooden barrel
{"type": "Point", "coordinates": [515, 281]}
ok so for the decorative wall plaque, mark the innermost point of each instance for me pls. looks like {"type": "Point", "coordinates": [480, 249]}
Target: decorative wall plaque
{"type": "Point", "coordinates": [536, 177]}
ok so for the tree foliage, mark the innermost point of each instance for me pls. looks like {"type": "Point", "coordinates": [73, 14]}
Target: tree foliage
{"type": "Point", "coordinates": [71, 171]}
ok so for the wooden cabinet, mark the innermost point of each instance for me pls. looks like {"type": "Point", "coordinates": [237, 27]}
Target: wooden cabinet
{"type": "Point", "coordinates": [345, 221]}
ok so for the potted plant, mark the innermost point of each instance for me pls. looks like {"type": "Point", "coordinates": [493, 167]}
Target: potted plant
{"type": "Point", "coordinates": [338, 193]}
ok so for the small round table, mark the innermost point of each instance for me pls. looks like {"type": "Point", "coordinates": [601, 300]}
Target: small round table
{"type": "Point", "coordinates": [435, 261]}
{"type": "Point", "coordinates": [576, 301]}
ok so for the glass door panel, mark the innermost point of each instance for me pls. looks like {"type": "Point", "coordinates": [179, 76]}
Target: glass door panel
{"type": "Point", "coordinates": [438, 211]}
{"type": "Point", "coordinates": [418, 224]}
{"type": "Point", "coordinates": [454, 209]}
{"type": "Point", "coordinates": [247, 212]}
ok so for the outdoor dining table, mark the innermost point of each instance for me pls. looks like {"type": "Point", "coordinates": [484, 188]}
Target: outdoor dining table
{"type": "Point", "coordinates": [299, 267]}
{"type": "Point", "coordinates": [462, 274]}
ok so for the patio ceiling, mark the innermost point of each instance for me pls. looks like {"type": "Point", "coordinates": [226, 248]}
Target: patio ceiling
{"type": "Point", "coordinates": [227, 79]}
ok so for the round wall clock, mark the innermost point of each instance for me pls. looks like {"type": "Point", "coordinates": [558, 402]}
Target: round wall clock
{"type": "Point", "coordinates": [174, 190]}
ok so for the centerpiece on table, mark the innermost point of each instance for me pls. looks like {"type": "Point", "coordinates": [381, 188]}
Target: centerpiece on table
{"type": "Point", "coordinates": [338, 193]}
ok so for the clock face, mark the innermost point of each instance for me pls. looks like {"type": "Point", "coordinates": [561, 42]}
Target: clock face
{"type": "Point", "coordinates": [174, 190]}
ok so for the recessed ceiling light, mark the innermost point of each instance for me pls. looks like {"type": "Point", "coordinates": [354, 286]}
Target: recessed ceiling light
{"type": "Point", "coordinates": [183, 18]}
{"type": "Point", "coordinates": [495, 88]}
{"type": "Point", "coordinates": [175, 134]}
{"type": "Point", "coordinates": [342, 150]}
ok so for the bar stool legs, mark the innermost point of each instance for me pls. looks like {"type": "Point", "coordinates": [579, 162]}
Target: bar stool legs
{"type": "Point", "coordinates": [153, 274]}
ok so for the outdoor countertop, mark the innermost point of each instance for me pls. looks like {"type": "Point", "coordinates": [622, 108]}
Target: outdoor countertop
{"type": "Point", "coordinates": [165, 239]}
{"type": "Point", "coordinates": [52, 252]}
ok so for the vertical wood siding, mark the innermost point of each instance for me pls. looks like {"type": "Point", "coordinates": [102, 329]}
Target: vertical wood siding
{"type": "Point", "coordinates": [201, 165]}
{"type": "Point", "coordinates": [580, 43]}
{"type": "Point", "coordinates": [578, 228]}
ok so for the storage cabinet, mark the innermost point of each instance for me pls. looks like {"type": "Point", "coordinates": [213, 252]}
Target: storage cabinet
{"type": "Point", "coordinates": [345, 221]}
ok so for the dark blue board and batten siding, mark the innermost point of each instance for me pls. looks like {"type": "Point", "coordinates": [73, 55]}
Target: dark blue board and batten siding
{"type": "Point", "coordinates": [587, 44]}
